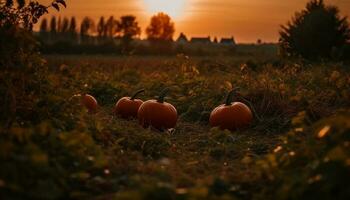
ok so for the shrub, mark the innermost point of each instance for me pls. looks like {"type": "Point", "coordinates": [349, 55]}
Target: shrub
{"type": "Point", "coordinates": [316, 32]}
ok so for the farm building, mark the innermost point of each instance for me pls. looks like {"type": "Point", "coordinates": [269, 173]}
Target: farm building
{"type": "Point", "coordinates": [201, 40]}
{"type": "Point", "coordinates": [228, 41]}
{"type": "Point", "coordinates": [182, 39]}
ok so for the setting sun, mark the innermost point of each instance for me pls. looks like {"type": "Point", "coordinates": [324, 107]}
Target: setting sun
{"type": "Point", "coordinates": [174, 8]}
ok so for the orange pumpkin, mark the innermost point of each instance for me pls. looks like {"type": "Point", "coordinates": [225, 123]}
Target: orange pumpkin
{"type": "Point", "coordinates": [127, 107]}
{"type": "Point", "coordinates": [89, 102]}
{"type": "Point", "coordinates": [157, 113]}
{"type": "Point", "coordinates": [231, 115]}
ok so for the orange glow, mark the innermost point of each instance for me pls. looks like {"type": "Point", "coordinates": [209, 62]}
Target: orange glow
{"type": "Point", "coordinates": [175, 8]}
{"type": "Point", "coordinates": [246, 20]}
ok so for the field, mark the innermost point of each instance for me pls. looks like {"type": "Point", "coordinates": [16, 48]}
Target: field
{"type": "Point", "coordinates": [301, 124]}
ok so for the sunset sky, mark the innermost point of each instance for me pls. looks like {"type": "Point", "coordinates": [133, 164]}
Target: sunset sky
{"type": "Point", "coordinates": [246, 20]}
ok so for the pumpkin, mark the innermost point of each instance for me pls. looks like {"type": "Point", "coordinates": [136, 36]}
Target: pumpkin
{"type": "Point", "coordinates": [231, 115]}
{"type": "Point", "coordinates": [157, 113]}
{"type": "Point", "coordinates": [89, 102]}
{"type": "Point", "coordinates": [127, 107]}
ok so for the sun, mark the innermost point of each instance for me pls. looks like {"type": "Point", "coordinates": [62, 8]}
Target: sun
{"type": "Point", "coordinates": [174, 8]}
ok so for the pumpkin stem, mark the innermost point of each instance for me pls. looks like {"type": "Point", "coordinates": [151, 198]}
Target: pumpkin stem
{"type": "Point", "coordinates": [137, 93]}
{"type": "Point", "coordinates": [162, 95]}
{"type": "Point", "coordinates": [230, 96]}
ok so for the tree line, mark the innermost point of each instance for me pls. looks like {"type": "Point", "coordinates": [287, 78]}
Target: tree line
{"type": "Point", "coordinates": [126, 28]}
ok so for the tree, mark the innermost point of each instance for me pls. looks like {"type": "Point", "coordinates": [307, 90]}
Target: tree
{"type": "Point", "coordinates": [161, 28]}
{"type": "Point", "coordinates": [101, 27]}
{"type": "Point", "coordinates": [111, 27]}
{"type": "Point", "coordinates": [53, 25]}
{"type": "Point", "coordinates": [65, 25]}
{"type": "Point", "coordinates": [318, 31]}
{"type": "Point", "coordinates": [72, 25]}
{"type": "Point", "coordinates": [128, 27]}
{"type": "Point", "coordinates": [86, 28]}
{"type": "Point", "coordinates": [44, 26]}
{"type": "Point", "coordinates": [73, 28]}
{"type": "Point", "coordinates": [59, 25]}
{"type": "Point", "coordinates": [44, 29]}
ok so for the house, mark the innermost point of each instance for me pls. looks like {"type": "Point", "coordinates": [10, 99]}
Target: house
{"type": "Point", "coordinates": [201, 40]}
{"type": "Point", "coordinates": [182, 39]}
{"type": "Point", "coordinates": [228, 41]}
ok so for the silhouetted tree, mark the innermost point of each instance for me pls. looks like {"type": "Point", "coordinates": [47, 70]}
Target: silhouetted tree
{"type": "Point", "coordinates": [44, 26]}
{"type": "Point", "coordinates": [65, 25]}
{"type": "Point", "coordinates": [73, 29]}
{"type": "Point", "coordinates": [161, 28]}
{"type": "Point", "coordinates": [72, 25]}
{"type": "Point", "coordinates": [59, 25]}
{"type": "Point", "coordinates": [53, 25]}
{"type": "Point", "coordinates": [128, 28]}
{"type": "Point", "coordinates": [111, 27]}
{"type": "Point", "coordinates": [316, 32]}
{"type": "Point", "coordinates": [215, 40]}
{"type": "Point", "coordinates": [44, 29]}
{"type": "Point", "coordinates": [101, 27]}
{"type": "Point", "coordinates": [87, 28]}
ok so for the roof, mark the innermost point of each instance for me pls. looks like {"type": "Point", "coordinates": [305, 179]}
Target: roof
{"type": "Point", "coordinates": [182, 38]}
{"type": "Point", "coordinates": [228, 41]}
{"type": "Point", "coordinates": [201, 40]}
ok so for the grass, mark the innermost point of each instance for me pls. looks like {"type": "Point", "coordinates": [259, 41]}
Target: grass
{"type": "Point", "coordinates": [100, 156]}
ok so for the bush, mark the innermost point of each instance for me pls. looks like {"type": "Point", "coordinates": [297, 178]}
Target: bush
{"type": "Point", "coordinates": [316, 32]}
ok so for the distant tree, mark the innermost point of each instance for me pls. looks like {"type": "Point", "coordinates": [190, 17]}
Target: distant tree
{"type": "Point", "coordinates": [259, 41]}
{"type": "Point", "coordinates": [59, 25]}
{"type": "Point", "coordinates": [215, 40]}
{"type": "Point", "coordinates": [111, 27]}
{"type": "Point", "coordinates": [316, 32]}
{"type": "Point", "coordinates": [161, 28]}
{"type": "Point", "coordinates": [65, 25]}
{"type": "Point", "coordinates": [72, 25]}
{"type": "Point", "coordinates": [44, 30]}
{"type": "Point", "coordinates": [73, 29]}
{"type": "Point", "coordinates": [128, 28]}
{"type": "Point", "coordinates": [86, 29]}
{"type": "Point", "coordinates": [101, 27]}
{"type": "Point", "coordinates": [53, 25]}
{"type": "Point", "coordinates": [44, 26]}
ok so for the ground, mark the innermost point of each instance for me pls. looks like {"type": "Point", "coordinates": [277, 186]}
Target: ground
{"type": "Point", "coordinates": [101, 156]}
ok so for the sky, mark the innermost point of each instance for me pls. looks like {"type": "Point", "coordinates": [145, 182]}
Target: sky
{"type": "Point", "coordinates": [246, 20]}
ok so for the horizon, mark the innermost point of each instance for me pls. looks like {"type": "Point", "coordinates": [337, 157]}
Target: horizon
{"type": "Point", "coordinates": [247, 20]}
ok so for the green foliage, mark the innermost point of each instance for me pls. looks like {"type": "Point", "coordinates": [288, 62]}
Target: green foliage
{"type": "Point", "coordinates": [48, 161]}
{"type": "Point", "coordinates": [316, 32]}
{"type": "Point", "coordinates": [312, 162]}
{"type": "Point", "coordinates": [105, 93]}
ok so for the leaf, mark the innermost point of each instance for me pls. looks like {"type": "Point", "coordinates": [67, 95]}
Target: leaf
{"type": "Point", "coordinates": [55, 5]}
{"type": "Point", "coordinates": [62, 2]}
{"type": "Point", "coordinates": [323, 132]}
